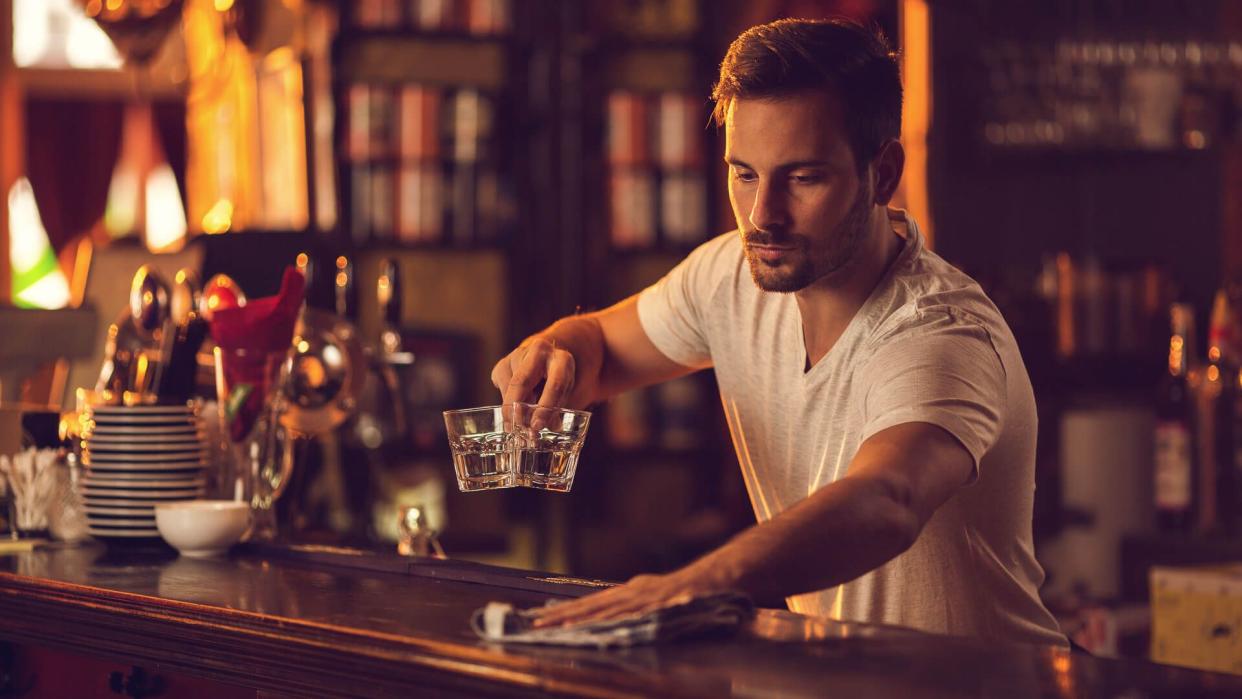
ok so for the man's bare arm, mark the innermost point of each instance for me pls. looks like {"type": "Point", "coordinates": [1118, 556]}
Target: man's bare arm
{"type": "Point", "coordinates": [898, 479]}
{"type": "Point", "coordinates": [585, 359]}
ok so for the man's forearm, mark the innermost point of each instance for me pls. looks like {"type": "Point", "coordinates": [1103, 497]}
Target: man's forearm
{"type": "Point", "coordinates": [835, 535]}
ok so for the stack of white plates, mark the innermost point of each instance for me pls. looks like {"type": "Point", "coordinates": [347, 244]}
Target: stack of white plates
{"type": "Point", "coordinates": [136, 457]}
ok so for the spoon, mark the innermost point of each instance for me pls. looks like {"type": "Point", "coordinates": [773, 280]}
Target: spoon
{"type": "Point", "coordinates": [148, 301]}
{"type": "Point", "coordinates": [187, 295]}
{"type": "Point", "coordinates": [323, 373]}
{"type": "Point", "coordinates": [220, 292]}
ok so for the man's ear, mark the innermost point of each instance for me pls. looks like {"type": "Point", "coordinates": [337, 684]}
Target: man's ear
{"type": "Point", "coordinates": [889, 163]}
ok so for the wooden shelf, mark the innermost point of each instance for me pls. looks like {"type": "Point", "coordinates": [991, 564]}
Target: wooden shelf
{"type": "Point", "coordinates": [475, 62]}
{"type": "Point", "coordinates": [652, 69]}
{"type": "Point", "coordinates": [109, 84]}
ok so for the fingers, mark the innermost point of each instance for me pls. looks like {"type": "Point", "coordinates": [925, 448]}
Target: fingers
{"type": "Point", "coordinates": [583, 609]}
{"type": "Point", "coordinates": [518, 375]}
{"type": "Point", "coordinates": [638, 596]}
{"type": "Point", "coordinates": [558, 384]}
{"type": "Point", "coordinates": [502, 372]}
{"type": "Point", "coordinates": [529, 366]}
{"type": "Point", "coordinates": [559, 379]}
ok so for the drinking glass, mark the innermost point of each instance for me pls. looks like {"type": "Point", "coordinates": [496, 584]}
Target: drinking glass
{"type": "Point", "coordinates": [546, 444]}
{"type": "Point", "coordinates": [482, 448]}
{"type": "Point", "coordinates": [502, 446]}
{"type": "Point", "coordinates": [259, 453]}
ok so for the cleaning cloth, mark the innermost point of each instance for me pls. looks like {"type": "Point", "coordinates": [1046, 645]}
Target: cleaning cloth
{"type": "Point", "coordinates": [719, 612]}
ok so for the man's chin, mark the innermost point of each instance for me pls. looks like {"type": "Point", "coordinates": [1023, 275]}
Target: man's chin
{"type": "Point", "coordinates": [780, 279]}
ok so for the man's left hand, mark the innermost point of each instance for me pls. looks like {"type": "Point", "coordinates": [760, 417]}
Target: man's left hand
{"type": "Point", "coordinates": [642, 594]}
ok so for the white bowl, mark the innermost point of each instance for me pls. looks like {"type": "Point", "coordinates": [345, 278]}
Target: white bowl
{"type": "Point", "coordinates": [202, 528]}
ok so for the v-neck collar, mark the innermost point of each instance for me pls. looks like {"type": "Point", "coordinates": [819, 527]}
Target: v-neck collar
{"type": "Point", "coordinates": [913, 242]}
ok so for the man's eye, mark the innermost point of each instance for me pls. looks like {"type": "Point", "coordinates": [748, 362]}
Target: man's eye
{"type": "Point", "coordinates": [806, 179]}
{"type": "Point", "coordinates": [743, 176]}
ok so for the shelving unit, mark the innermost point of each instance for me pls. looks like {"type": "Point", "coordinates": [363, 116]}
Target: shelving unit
{"type": "Point", "coordinates": [483, 158]}
{"type": "Point", "coordinates": [657, 457]}
{"type": "Point", "coordinates": [424, 152]}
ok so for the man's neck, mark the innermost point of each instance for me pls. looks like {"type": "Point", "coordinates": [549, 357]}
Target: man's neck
{"type": "Point", "coordinates": [828, 305]}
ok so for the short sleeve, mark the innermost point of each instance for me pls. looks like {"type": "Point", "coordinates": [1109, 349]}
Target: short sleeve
{"type": "Point", "coordinates": [944, 371]}
{"type": "Point", "coordinates": [674, 310]}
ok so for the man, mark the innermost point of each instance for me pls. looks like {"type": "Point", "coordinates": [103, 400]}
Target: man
{"type": "Point", "coordinates": [880, 409]}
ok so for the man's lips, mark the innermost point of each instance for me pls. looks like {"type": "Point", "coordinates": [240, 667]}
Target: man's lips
{"type": "Point", "coordinates": [769, 253]}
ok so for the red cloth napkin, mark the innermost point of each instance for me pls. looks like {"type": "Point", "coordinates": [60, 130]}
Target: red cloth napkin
{"type": "Point", "coordinates": [264, 324]}
{"type": "Point", "coordinates": [253, 340]}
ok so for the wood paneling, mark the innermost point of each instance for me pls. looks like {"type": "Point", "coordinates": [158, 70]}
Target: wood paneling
{"type": "Point", "coordinates": [340, 623]}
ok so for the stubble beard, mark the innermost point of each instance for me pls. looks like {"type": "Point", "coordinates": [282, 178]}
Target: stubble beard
{"type": "Point", "coordinates": [810, 262]}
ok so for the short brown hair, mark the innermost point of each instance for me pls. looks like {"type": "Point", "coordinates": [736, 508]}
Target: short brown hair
{"type": "Point", "coordinates": [859, 66]}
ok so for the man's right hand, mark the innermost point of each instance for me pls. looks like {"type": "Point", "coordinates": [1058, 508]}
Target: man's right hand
{"type": "Point", "coordinates": [536, 361]}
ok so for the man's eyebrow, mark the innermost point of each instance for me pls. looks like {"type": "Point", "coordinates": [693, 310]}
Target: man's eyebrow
{"type": "Point", "coordinates": [783, 166]}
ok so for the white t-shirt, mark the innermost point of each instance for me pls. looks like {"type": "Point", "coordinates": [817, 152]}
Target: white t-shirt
{"type": "Point", "coordinates": [926, 346]}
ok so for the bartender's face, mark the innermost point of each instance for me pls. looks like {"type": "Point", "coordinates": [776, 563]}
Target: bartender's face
{"type": "Point", "coordinates": [800, 204]}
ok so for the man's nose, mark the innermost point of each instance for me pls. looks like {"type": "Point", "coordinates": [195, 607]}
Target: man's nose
{"type": "Point", "coordinates": [770, 209]}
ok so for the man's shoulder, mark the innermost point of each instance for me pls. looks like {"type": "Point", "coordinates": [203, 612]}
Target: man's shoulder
{"type": "Point", "coordinates": [929, 294]}
{"type": "Point", "coordinates": [723, 250]}
{"type": "Point", "coordinates": [714, 261]}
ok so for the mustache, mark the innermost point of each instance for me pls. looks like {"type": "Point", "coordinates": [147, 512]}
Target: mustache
{"type": "Point", "coordinates": [773, 239]}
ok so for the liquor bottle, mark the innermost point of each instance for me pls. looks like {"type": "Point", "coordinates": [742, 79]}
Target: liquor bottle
{"type": "Point", "coordinates": [345, 292]}
{"type": "Point", "coordinates": [388, 296]}
{"type": "Point", "coordinates": [1223, 409]}
{"type": "Point", "coordinates": [1175, 433]}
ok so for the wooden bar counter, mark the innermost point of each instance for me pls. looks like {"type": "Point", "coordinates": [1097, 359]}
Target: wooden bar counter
{"type": "Point", "coordinates": [89, 621]}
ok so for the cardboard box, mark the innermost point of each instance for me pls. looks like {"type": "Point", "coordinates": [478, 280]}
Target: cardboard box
{"type": "Point", "coordinates": [1197, 617]}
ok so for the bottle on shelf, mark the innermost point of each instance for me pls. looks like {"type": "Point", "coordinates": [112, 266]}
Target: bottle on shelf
{"type": "Point", "coordinates": [1223, 411]}
{"type": "Point", "coordinates": [345, 292]}
{"type": "Point", "coordinates": [1175, 429]}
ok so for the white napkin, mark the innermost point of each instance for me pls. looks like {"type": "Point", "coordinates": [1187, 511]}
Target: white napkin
{"type": "Point", "coordinates": [500, 622]}
{"type": "Point", "coordinates": [31, 478]}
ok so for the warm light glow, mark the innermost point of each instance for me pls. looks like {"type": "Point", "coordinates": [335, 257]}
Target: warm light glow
{"type": "Point", "coordinates": [342, 279]}
{"type": "Point", "coordinates": [303, 346]}
{"type": "Point", "coordinates": [332, 355]}
{"type": "Point", "coordinates": [30, 32]}
{"type": "Point", "coordinates": [1214, 354]}
{"type": "Point", "coordinates": [224, 5]}
{"type": "Point", "coordinates": [245, 124]}
{"type": "Point", "coordinates": [165, 214]}
{"type": "Point", "coordinates": [1066, 340]}
{"type": "Point", "coordinates": [916, 112]}
{"type": "Point", "coordinates": [143, 366]}
{"type": "Point", "coordinates": [1063, 673]}
{"type": "Point", "coordinates": [341, 262]}
{"type": "Point", "coordinates": [121, 211]}
{"type": "Point", "coordinates": [114, 5]}
{"type": "Point", "coordinates": [60, 34]}
{"type": "Point", "coordinates": [302, 261]}
{"type": "Point", "coordinates": [218, 218]}
{"type": "Point", "coordinates": [280, 59]}
{"type": "Point", "coordinates": [1213, 373]}
{"type": "Point", "coordinates": [37, 280]}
